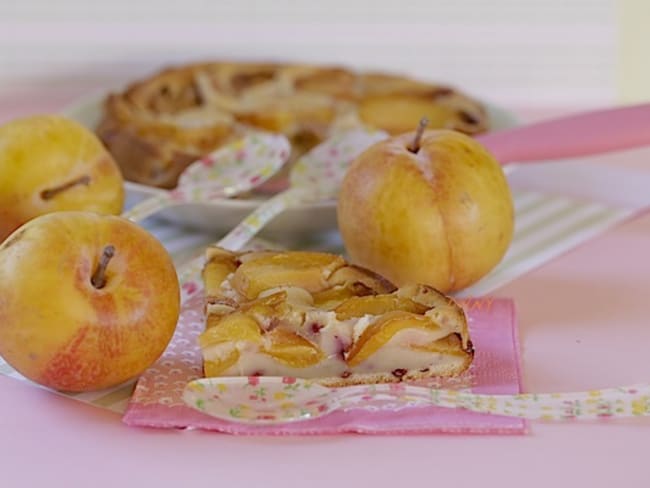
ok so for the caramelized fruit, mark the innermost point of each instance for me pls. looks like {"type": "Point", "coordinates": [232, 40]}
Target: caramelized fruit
{"type": "Point", "coordinates": [377, 305]}
{"type": "Point", "coordinates": [291, 349]}
{"type": "Point", "coordinates": [307, 270]}
{"type": "Point", "coordinates": [398, 114]}
{"type": "Point", "coordinates": [382, 330]}
{"type": "Point", "coordinates": [231, 328]}
{"type": "Point", "coordinates": [214, 367]}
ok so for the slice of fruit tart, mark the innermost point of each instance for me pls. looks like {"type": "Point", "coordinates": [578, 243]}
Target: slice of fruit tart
{"type": "Point", "coordinates": [313, 315]}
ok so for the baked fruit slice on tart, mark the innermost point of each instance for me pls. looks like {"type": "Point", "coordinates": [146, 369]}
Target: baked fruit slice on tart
{"type": "Point", "coordinates": [313, 315]}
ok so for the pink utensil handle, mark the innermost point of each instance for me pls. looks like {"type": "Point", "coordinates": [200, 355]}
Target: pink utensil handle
{"type": "Point", "coordinates": [576, 135]}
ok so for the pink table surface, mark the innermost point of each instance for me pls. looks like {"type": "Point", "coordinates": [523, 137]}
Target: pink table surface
{"type": "Point", "coordinates": [583, 323]}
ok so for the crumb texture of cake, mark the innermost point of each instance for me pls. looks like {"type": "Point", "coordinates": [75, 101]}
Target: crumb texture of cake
{"type": "Point", "coordinates": [313, 315]}
{"type": "Point", "coordinates": [157, 126]}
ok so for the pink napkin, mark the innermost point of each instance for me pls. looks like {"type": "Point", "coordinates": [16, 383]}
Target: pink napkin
{"type": "Point", "coordinates": [156, 401]}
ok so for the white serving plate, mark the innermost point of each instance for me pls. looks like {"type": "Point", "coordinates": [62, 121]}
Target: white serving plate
{"type": "Point", "coordinates": [221, 216]}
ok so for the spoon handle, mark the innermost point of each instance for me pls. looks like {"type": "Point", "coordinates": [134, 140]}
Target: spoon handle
{"type": "Point", "coordinates": [626, 401]}
{"type": "Point", "coordinates": [189, 273]}
{"type": "Point", "coordinates": [576, 135]}
{"type": "Point", "coordinates": [191, 194]}
{"type": "Point", "coordinates": [148, 207]}
{"type": "Point", "coordinates": [238, 237]}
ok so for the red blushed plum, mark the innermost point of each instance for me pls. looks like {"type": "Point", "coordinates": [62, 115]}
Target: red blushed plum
{"type": "Point", "coordinates": [86, 301]}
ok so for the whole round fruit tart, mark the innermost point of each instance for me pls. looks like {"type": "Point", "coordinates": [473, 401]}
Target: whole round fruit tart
{"type": "Point", "coordinates": [157, 126]}
{"type": "Point", "coordinates": [313, 315]}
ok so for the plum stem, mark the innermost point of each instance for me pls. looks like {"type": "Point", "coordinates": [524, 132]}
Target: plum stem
{"type": "Point", "coordinates": [52, 192]}
{"type": "Point", "coordinates": [98, 278]}
{"type": "Point", "coordinates": [415, 145]}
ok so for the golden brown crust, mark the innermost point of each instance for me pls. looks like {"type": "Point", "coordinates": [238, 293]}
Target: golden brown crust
{"type": "Point", "coordinates": [159, 125]}
{"type": "Point", "coordinates": [409, 376]}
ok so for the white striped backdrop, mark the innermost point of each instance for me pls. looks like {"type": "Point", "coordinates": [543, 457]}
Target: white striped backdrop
{"type": "Point", "coordinates": [514, 53]}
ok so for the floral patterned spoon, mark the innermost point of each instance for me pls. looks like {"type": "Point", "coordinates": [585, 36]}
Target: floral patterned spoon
{"type": "Point", "coordinates": [231, 170]}
{"type": "Point", "coordinates": [316, 176]}
{"type": "Point", "coordinates": [274, 400]}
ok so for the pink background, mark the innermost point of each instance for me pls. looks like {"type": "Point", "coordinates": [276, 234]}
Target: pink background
{"type": "Point", "coordinates": [583, 324]}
